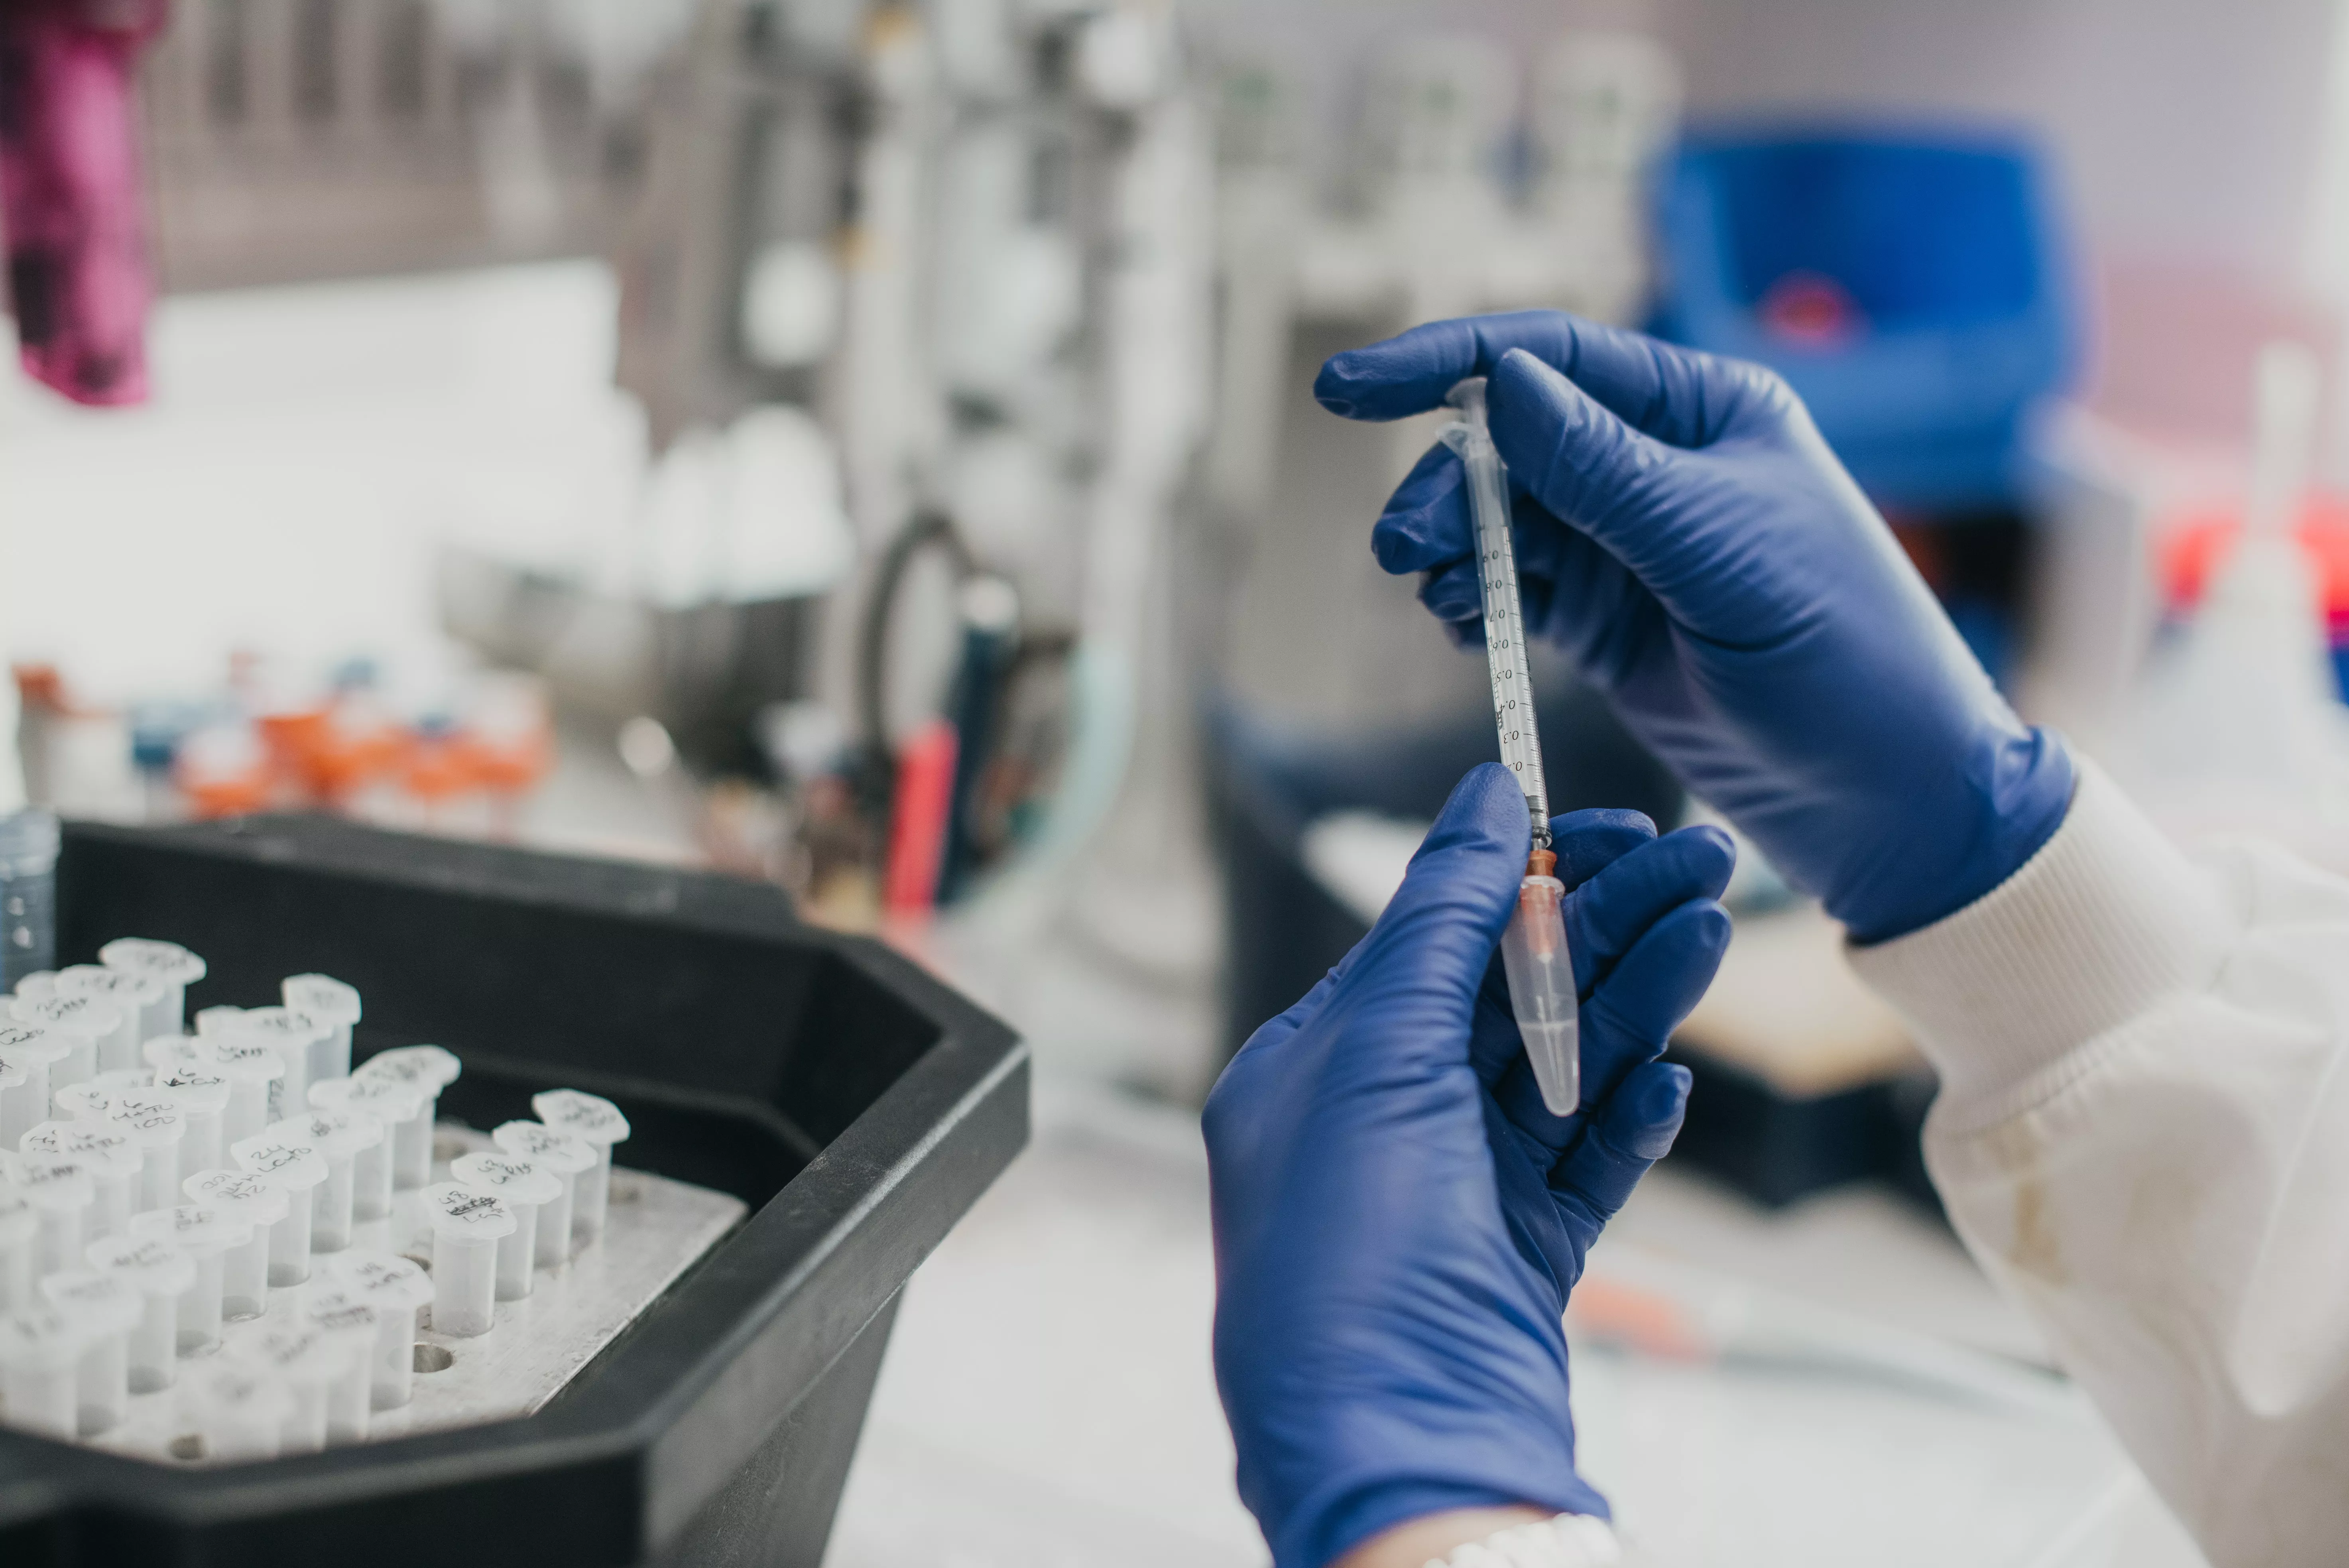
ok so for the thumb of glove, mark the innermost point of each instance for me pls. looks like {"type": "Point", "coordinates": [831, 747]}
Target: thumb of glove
{"type": "Point", "coordinates": [1417, 974]}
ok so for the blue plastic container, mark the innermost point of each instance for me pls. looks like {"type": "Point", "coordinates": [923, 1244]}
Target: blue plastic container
{"type": "Point", "coordinates": [1911, 286]}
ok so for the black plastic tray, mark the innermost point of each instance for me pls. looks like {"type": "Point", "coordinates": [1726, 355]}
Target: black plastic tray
{"type": "Point", "coordinates": [856, 1104]}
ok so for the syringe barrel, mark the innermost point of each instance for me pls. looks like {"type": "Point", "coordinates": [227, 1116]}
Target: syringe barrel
{"type": "Point", "coordinates": [1540, 969]}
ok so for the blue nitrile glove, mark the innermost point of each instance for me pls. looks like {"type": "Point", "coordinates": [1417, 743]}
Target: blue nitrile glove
{"type": "Point", "coordinates": [1397, 1218]}
{"type": "Point", "coordinates": [1686, 536]}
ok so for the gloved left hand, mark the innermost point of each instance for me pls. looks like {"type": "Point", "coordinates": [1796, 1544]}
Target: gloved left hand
{"type": "Point", "coordinates": [1398, 1220]}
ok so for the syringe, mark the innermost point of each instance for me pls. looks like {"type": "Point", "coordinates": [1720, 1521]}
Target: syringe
{"type": "Point", "coordinates": [1532, 949]}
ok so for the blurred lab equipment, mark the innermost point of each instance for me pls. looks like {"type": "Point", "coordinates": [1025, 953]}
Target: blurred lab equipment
{"type": "Point", "coordinates": [72, 194]}
{"type": "Point", "coordinates": [28, 894]}
{"type": "Point", "coordinates": [377, 136]}
{"type": "Point", "coordinates": [2239, 723]}
{"type": "Point", "coordinates": [277, 736]}
{"type": "Point", "coordinates": [1912, 287]}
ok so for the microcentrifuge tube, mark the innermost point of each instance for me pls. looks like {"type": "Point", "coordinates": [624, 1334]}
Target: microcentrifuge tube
{"type": "Point", "coordinates": [395, 1288]}
{"type": "Point", "coordinates": [596, 1121]}
{"type": "Point", "coordinates": [201, 1096]}
{"type": "Point", "coordinates": [62, 1191]}
{"type": "Point", "coordinates": [292, 1165]}
{"type": "Point", "coordinates": [162, 1274]}
{"type": "Point", "coordinates": [237, 1408]}
{"type": "Point", "coordinates": [307, 1360]}
{"type": "Point", "coordinates": [214, 1021]}
{"type": "Point", "coordinates": [40, 1351]}
{"type": "Point", "coordinates": [333, 1002]}
{"type": "Point", "coordinates": [38, 986]}
{"type": "Point", "coordinates": [291, 1035]}
{"type": "Point", "coordinates": [170, 966]}
{"type": "Point", "coordinates": [156, 1126]}
{"type": "Point", "coordinates": [245, 1268]}
{"type": "Point", "coordinates": [526, 1190]}
{"type": "Point", "coordinates": [343, 1317]}
{"type": "Point", "coordinates": [130, 996]}
{"type": "Point", "coordinates": [38, 1052]}
{"type": "Point", "coordinates": [252, 1068]}
{"type": "Point", "coordinates": [395, 1106]}
{"type": "Point", "coordinates": [467, 1225]}
{"type": "Point", "coordinates": [111, 1159]}
{"type": "Point", "coordinates": [340, 1137]}
{"type": "Point", "coordinates": [20, 1249]}
{"type": "Point", "coordinates": [110, 1310]}
{"type": "Point", "coordinates": [427, 1070]}
{"type": "Point", "coordinates": [206, 1234]}
{"type": "Point", "coordinates": [83, 1023]}
{"type": "Point", "coordinates": [567, 1157]}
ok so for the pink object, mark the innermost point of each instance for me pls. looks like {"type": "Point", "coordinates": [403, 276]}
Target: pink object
{"type": "Point", "coordinates": [70, 192]}
{"type": "Point", "coordinates": [917, 829]}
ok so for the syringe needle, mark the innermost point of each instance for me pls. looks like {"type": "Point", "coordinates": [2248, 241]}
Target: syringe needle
{"type": "Point", "coordinates": [1533, 950]}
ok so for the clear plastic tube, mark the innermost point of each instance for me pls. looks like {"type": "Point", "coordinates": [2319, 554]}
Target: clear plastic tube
{"type": "Point", "coordinates": [1541, 991]}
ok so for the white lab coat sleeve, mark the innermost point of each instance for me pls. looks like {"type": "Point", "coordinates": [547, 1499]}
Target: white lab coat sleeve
{"type": "Point", "coordinates": [2143, 1133]}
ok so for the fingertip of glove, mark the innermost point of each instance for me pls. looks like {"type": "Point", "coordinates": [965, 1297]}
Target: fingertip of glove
{"type": "Point", "coordinates": [1714, 854]}
{"type": "Point", "coordinates": [1650, 1107]}
{"type": "Point", "coordinates": [1343, 381]}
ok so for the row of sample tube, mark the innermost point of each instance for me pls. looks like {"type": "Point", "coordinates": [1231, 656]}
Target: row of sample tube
{"type": "Point", "coordinates": [178, 1211]}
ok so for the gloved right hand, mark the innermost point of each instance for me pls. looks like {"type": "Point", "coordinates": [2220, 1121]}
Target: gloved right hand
{"type": "Point", "coordinates": [1686, 536]}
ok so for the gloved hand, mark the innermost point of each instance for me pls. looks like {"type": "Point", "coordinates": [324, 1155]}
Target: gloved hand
{"type": "Point", "coordinates": [1686, 536]}
{"type": "Point", "coordinates": [1397, 1218]}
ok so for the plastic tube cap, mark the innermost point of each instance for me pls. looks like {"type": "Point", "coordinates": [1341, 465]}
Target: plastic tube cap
{"type": "Point", "coordinates": [253, 1199]}
{"type": "Point", "coordinates": [198, 1229]}
{"type": "Point", "coordinates": [44, 1338]}
{"type": "Point", "coordinates": [128, 991]}
{"type": "Point", "coordinates": [334, 1134]}
{"type": "Point", "coordinates": [103, 1149]}
{"type": "Point", "coordinates": [149, 1264]}
{"type": "Point", "coordinates": [587, 1116]}
{"type": "Point", "coordinates": [384, 1279]}
{"type": "Point", "coordinates": [282, 1026]}
{"type": "Point", "coordinates": [426, 1067]}
{"type": "Point", "coordinates": [243, 1060]}
{"type": "Point", "coordinates": [383, 1099]}
{"type": "Point", "coordinates": [93, 1097]}
{"type": "Point", "coordinates": [463, 1213]}
{"type": "Point", "coordinates": [35, 1043]}
{"type": "Point", "coordinates": [321, 997]}
{"type": "Point", "coordinates": [289, 1161]}
{"type": "Point", "coordinates": [510, 1177]}
{"type": "Point", "coordinates": [150, 1116]}
{"type": "Point", "coordinates": [213, 1021]}
{"type": "Point", "coordinates": [166, 963]}
{"type": "Point", "coordinates": [105, 1301]}
{"type": "Point", "coordinates": [301, 1353]}
{"type": "Point", "coordinates": [177, 1053]}
{"type": "Point", "coordinates": [543, 1145]}
{"type": "Point", "coordinates": [54, 1183]}
{"type": "Point", "coordinates": [344, 1315]}
{"type": "Point", "coordinates": [13, 1070]}
{"type": "Point", "coordinates": [192, 1088]}
{"type": "Point", "coordinates": [90, 1019]}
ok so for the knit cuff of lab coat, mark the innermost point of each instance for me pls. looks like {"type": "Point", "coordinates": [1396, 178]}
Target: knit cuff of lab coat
{"type": "Point", "coordinates": [2105, 919]}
